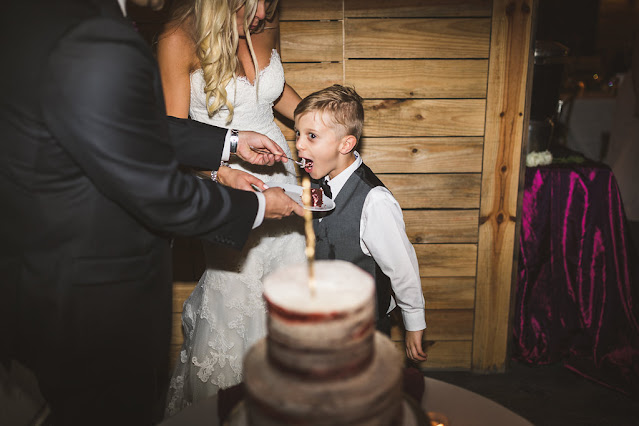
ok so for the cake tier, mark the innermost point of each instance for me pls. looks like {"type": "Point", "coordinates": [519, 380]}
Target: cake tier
{"type": "Point", "coordinates": [317, 196]}
{"type": "Point", "coordinates": [372, 397]}
{"type": "Point", "coordinates": [412, 415]}
{"type": "Point", "coordinates": [328, 334]}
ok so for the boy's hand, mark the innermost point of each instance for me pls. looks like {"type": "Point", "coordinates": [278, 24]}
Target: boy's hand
{"type": "Point", "coordinates": [414, 350]}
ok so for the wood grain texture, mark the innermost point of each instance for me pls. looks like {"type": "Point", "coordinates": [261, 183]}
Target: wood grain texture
{"type": "Point", "coordinates": [418, 78]}
{"type": "Point", "coordinates": [419, 118]}
{"type": "Point", "coordinates": [181, 291]}
{"type": "Point", "coordinates": [446, 260]}
{"type": "Point", "coordinates": [287, 129]}
{"type": "Point", "coordinates": [424, 117]}
{"type": "Point", "coordinates": [445, 354]}
{"type": "Point", "coordinates": [441, 226]}
{"type": "Point", "coordinates": [455, 354]}
{"type": "Point", "coordinates": [307, 78]}
{"type": "Point", "coordinates": [413, 8]}
{"type": "Point", "coordinates": [310, 10]}
{"type": "Point", "coordinates": [311, 41]}
{"type": "Point", "coordinates": [417, 38]}
{"type": "Point", "coordinates": [448, 293]}
{"type": "Point", "coordinates": [444, 86]}
{"type": "Point", "coordinates": [444, 191]}
{"type": "Point", "coordinates": [507, 82]}
{"type": "Point", "coordinates": [423, 155]}
{"type": "Point", "coordinates": [176, 329]}
{"type": "Point", "coordinates": [443, 324]}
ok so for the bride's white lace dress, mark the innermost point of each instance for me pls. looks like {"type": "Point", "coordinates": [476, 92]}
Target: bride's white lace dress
{"type": "Point", "coordinates": [226, 314]}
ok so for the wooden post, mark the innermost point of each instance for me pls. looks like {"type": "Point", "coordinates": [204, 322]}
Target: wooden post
{"type": "Point", "coordinates": [510, 53]}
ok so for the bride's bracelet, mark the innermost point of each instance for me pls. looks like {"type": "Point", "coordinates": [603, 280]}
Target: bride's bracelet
{"type": "Point", "coordinates": [214, 172]}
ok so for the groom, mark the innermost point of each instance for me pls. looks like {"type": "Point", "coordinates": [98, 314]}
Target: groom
{"type": "Point", "coordinates": [90, 193]}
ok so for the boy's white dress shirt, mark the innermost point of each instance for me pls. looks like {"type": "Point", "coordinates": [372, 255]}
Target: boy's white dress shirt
{"type": "Point", "coordinates": [383, 236]}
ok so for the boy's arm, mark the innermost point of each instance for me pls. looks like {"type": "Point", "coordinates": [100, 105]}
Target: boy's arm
{"type": "Point", "coordinates": [383, 236]}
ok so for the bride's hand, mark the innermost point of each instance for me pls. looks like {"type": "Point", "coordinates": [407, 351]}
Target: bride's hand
{"type": "Point", "coordinates": [238, 179]}
{"type": "Point", "coordinates": [246, 140]}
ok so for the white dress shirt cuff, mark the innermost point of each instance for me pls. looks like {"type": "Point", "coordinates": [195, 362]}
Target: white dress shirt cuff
{"type": "Point", "coordinates": [261, 201]}
{"type": "Point", "coordinates": [414, 321]}
{"type": "Point", "coordinates": [261, 208]}
{"type": "Point", "coordinates": [226, 152]}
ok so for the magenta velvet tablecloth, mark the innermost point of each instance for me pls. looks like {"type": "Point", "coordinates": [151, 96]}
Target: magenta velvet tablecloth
{"type": "Point", "coordinates": [576, 301]}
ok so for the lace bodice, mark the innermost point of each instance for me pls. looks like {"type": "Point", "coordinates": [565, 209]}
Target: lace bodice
{"type": "Point", "coordinates": [249, 114]}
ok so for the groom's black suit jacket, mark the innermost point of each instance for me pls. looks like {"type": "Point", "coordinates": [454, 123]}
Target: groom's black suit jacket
{"type": "Point", "coordinates": [90, 192]}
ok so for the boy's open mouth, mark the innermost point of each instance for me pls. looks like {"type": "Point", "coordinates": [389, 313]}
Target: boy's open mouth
{"type": "Point", "coordinates": [308, 164]}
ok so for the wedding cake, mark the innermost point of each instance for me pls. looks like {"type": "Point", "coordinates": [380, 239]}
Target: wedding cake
{"type": "Point", "coordinates": [322, 362]}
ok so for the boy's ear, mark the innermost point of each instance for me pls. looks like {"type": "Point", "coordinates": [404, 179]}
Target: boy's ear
{"type": "Point", "coordinates": [347, 144]}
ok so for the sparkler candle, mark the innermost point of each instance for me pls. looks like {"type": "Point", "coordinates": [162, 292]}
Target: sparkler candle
{"type": "Point", "coordinates": [310, 233]}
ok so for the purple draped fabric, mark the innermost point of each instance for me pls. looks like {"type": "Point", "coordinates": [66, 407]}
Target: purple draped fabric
{"type": "Point", "coordinates": [576, 302]}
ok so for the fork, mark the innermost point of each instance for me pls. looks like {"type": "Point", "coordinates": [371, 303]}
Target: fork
{"type": "Point", "coordinates": [262, 151]}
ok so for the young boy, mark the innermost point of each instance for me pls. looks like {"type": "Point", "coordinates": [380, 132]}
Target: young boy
{"type": "Point", "coordinates": [366, 227]}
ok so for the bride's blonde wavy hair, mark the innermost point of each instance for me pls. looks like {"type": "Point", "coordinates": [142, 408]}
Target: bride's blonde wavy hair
{"type": "Point", "coordinates": [214, 31]}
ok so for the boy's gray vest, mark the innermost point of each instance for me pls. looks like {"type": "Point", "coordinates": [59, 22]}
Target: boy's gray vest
{"type": "Point", "coordinates": [337, 235]}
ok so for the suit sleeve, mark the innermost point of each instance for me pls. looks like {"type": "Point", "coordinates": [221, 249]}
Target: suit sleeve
{"type": "Point", "coordinates": [196, 144]}
{"type": "Point", "coordinates": [100, 103]}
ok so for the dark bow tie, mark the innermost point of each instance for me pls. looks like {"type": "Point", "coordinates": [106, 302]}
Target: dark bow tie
{"type": "Point", "coordinates": [326, 188]}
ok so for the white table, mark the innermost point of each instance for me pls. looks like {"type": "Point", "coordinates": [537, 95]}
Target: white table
{"type": "Point", "coordinates": [462, 408]}
{"type": "Point", "coordinates": [465, 408]}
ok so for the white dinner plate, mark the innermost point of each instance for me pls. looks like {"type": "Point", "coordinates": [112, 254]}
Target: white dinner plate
{"type": "Point", "coordinates": [295, 192]}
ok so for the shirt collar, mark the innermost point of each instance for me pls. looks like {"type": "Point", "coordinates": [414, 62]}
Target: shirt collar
{"type": "Point", "coordinates": [338, 182]}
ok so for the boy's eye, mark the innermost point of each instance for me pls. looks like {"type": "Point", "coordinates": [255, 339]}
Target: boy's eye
{"type": "Point", "coordinates": [312, 135]}
{"type": "Point", "coordinates": [297, 134]}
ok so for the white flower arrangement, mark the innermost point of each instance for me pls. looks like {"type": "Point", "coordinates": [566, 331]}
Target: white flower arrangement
{"type": "Point", "coordinates": [535, 159]}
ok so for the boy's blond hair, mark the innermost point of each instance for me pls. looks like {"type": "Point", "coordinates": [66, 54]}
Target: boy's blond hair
{"type": "Point", "coordinates": [342, 103]}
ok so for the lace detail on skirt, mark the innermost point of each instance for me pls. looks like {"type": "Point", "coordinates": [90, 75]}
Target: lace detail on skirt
{"type": "Point", "coordinates": [226, 314]}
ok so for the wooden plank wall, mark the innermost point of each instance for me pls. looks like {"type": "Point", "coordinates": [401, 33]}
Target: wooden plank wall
{"type": "Point", "coordinates": [422, 67]}
{"type": "Point", "coordinates": [502, 180]}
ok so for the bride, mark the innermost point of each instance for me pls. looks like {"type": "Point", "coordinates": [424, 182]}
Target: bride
{"type": "Point", "coordinates": [220, 65]}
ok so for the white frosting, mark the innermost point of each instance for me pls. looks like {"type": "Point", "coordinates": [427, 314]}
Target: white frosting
{"type": "Point", "coordinates": [339, 286]}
